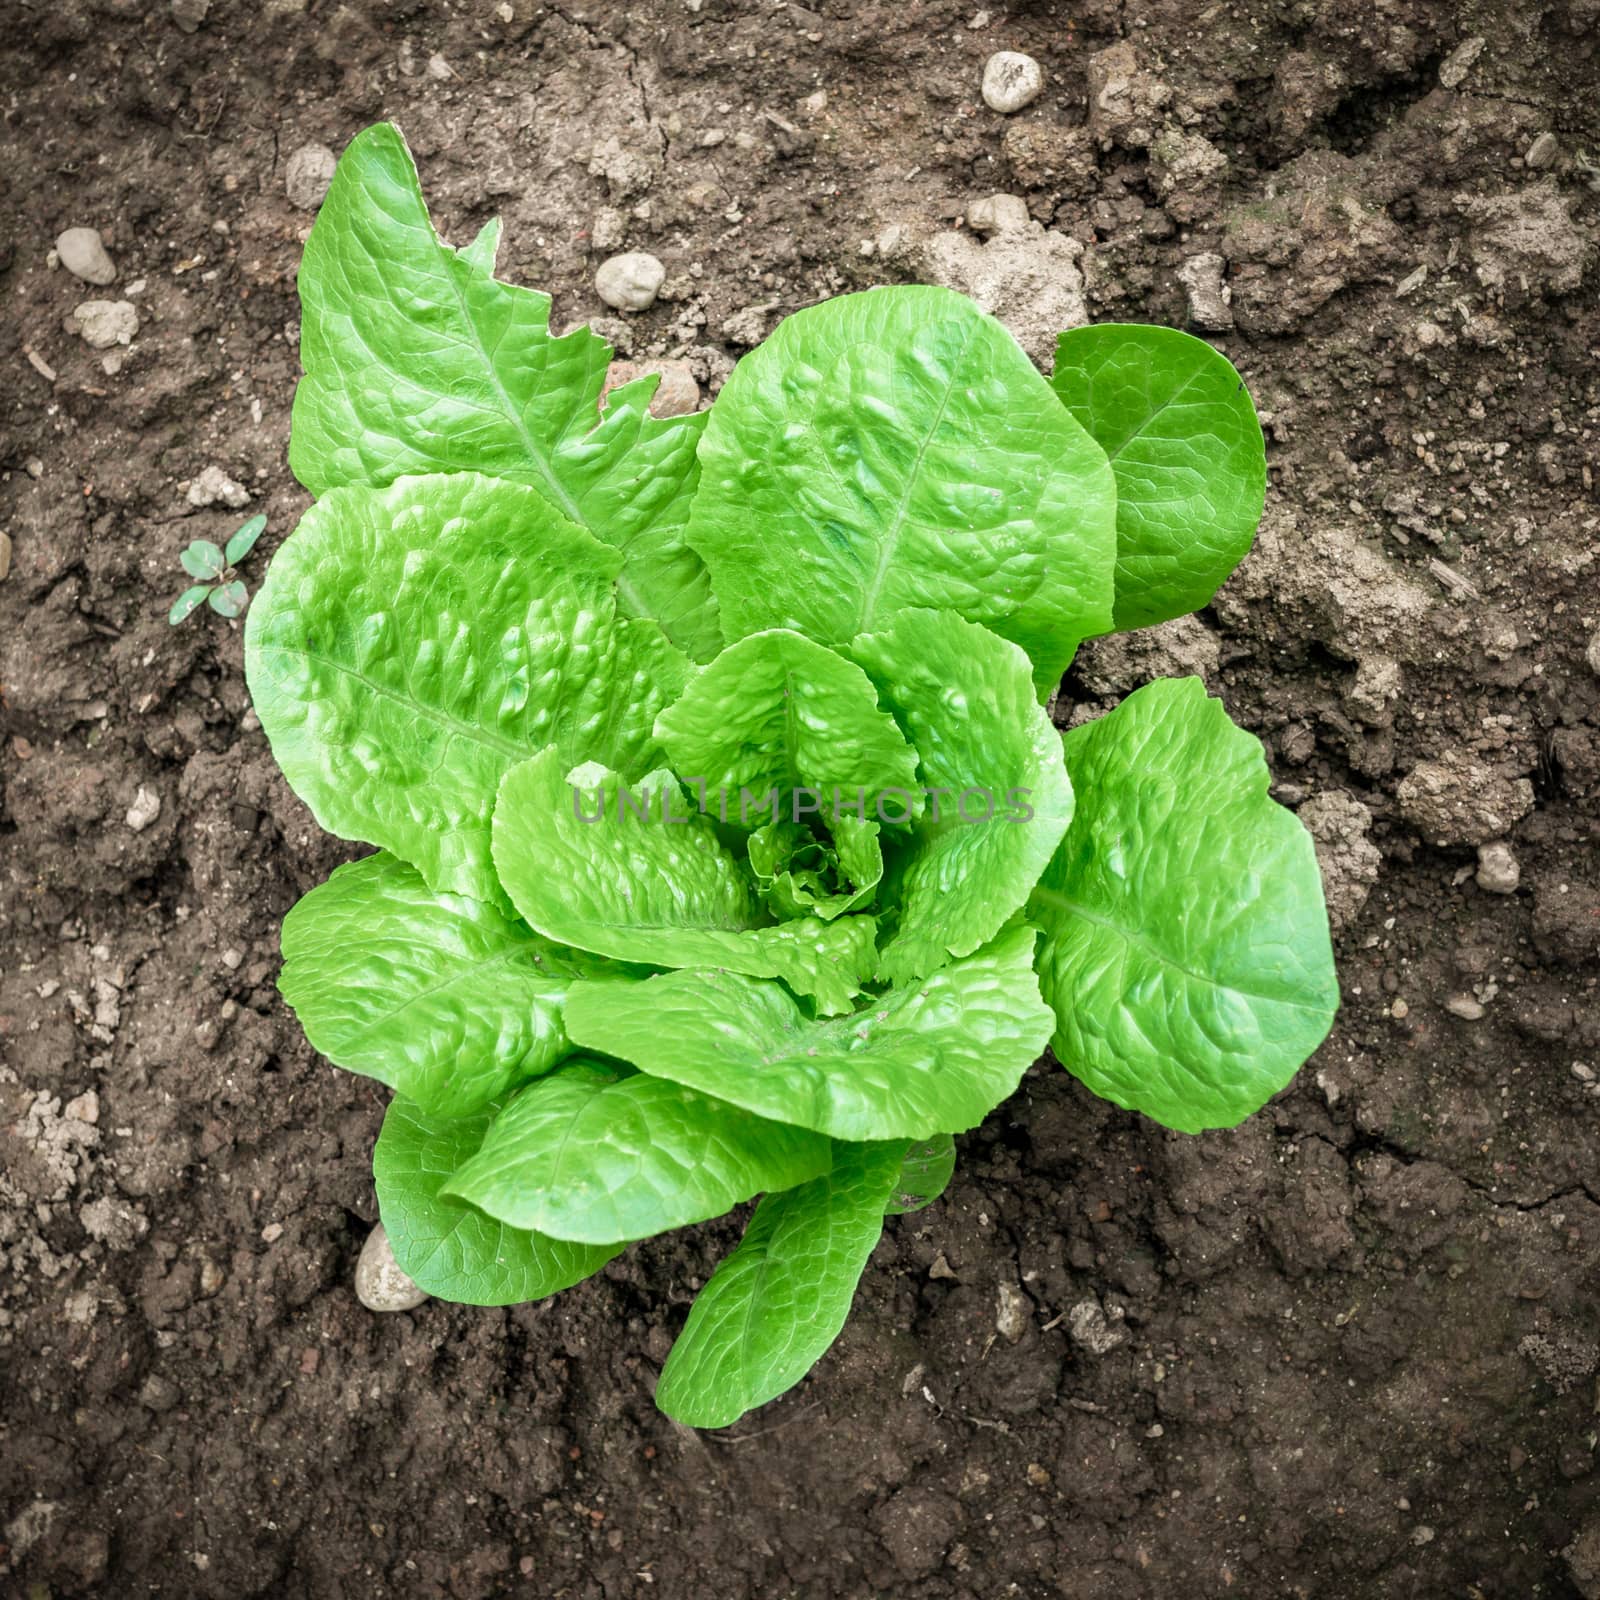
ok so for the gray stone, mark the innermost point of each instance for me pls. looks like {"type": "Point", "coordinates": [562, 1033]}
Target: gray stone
{"type": "Point", "coordinates": [1201, 277]}
{"type": "Point", "coordinates": [83, 253]}
{"type": "Point", "coordinates": [1465, 1007]}
{"type": "Point", "coordinates": [999, 213]}
{"type": "Point", "coordinates": [307, 175]}
{"type": "Point", "coordinates": [1543, 151]}
{"type": "Point", "coordinates": [1592, 655]}
{"type": "Point", "coordinates": [630, 282]}
{"type": "Point", "coordinates": [5, 556]}
{"type": "Point", "coordinates": [1011, 81]}
{"type": "Point", "coordinates": [189, 14]}
{"type": "Point", "coordinates": [145, 809]}
{"type": "Point", "coordinates": [1499, 871]}
{"type": "Point", "coordinates": [103, 323]}
{"type": "Point", "coordinates": [381, 1283]}
{"type": "Point", "coordinates": [213, 485]}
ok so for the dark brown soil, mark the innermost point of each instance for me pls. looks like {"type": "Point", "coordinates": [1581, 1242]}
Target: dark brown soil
{"type": "Point", "coordinates": [1348, 1350]}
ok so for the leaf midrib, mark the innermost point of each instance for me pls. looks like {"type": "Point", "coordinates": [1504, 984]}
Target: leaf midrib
{"type": "Point", "coordinates": [1139, 941]}
{"type": "Point", "coordinates": [891, 539]}
{"type": "Point", "coordinates": [465, 730]}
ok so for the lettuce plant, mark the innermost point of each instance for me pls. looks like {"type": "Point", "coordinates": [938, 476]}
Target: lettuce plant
{"type": "Point", "coordinates": [726, 848]}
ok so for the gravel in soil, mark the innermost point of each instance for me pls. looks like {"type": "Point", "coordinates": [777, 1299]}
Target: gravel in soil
{"type": "Point", "coordinates": [1349, 1349]}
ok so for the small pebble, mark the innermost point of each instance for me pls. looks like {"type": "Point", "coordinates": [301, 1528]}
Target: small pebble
{"type": "Point", "coordinates": [5, 556]}
{"type": "Point", "coordinates": [999, 213]}
{"type": "Point", "coordinates": [308, 174]}
{"type": "Point", "coordinates": [630, 282]}
{"type": "Point", "coordinates": [1583, 1072]}
{"type": "Point", "coordinates": [1201, 277]}
{"type": "Point", "coordinates": [1498, 869]}
{"type": "Point", "coordinates": [232, 960]}
{"type": "Point", "coordinates": [1013, 1312]}
{"type": "Point", "coordinates": [214, 485]}
{"type": "Point", "coordinates": [1592, 655]}
{"type": "Point", "coordinates": [83, 254]}
{"type": "Point", "coordinates": [1011, 81]}
{"type": "Point", "coordinates": [189, 14]}
{"type": "Point", "coordinates": [676, 395]}
{"type": "Point", "coordinates": [145, 809]}
{"type": "Point", "coordinates": [103, 323]}
{"type": "Point", "coordinates": [1464, 1006]}
{"type": "Point", "coordinates": [1543, 151]}
{"type": "Point", "coordinates": [381, 1284]}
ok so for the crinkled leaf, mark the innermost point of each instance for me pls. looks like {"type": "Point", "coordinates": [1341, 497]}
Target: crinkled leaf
{"type": "Point", "coordinates": [773, 1306]}
{"type": "Point", "coordinates": [412, 644]}
{"type": "Point", "coordinates": [800, 875]}
{"type": "Point", "coordinates": [448, 1247]}
{"type": "Point", "coordinates": [418, 360]}
{"type": "Point", "coordinates": [244, 539]}
{"type": "Point", "coordinates": [229, 599]}
{"type": "Point", "coordinates": [592, 1155]}
{"type": "Point", "coordinates": [965, 698]}
{"type": "Point", "coordinates": [668, 892]}
{"type": "Point", "coordinates": [188, 601]}
{"type": "Point", "coordinates": [934, 1057]}
{"type": "Point", "coordinates": [776, 711]}
{"type": "Point", "coordinates": [1186, 448]}
{"type": "Point", "coordinates": [445, 999]}
{"type": "Point", "coordinates": [895, 449]}
{"type": "Point", "coordinates": [202, 559]}
{"type": "Point", "coordinates": [925, 1172]}
{"type": "Point", "coordinates": [1186, 947]}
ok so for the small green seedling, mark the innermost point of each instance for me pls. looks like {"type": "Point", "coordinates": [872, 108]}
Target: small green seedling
{"type": "Point", "coordinates": [509, 638]}
{"type": "Point", "coordinates": [221, 587]}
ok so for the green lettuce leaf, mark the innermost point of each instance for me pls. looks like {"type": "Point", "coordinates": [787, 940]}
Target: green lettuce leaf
{"type": "Point", "coordinates": [666, 893]}
{"type": "Point", "coordinates": [934, 1057]}
{"type": "Point", "coordinates": [417, 360]}
{"type": "Point", "coordinates": [896, 449]}
{"type": "Point", "coordinates": [448, 1247]}
{"type": "Point", "coordinates": [773, 1306]}
{"type": "Point", "coordinates": [412, 644]}
{"type": "Point", "coordinates": [591, 1155]}
{"type": "Point", "coordinates": [445, 999]}
{"type": "Point", "coordinates": [801, 875]}
{"type": "Point", "coordinates": [1186, 448]}
{"type": "Point", "coordinates": [965, 698]}
{"type": "Point", "coordinates": [776, 711]}
{"type": "Point", "coordinates": [1186, 953]}
{"type": "Point", "coordinates": [925, 1172]}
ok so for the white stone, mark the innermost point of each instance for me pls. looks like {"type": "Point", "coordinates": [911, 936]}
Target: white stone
{"type": "Point", "coordinates": [308, 174]}
{"type": "Point", "coordinates": [998, 213]}
{"type": "Point", "coordinates": [1592, 655]}
{"type": "Point", "coordinates": [103, 323]}
{"type": "Point", "coordinates": [1011, 81]}
{"type": "Point", "coordinates": [630, 282]}
{"type": "Point", "coordinates": [1207, 294]}
{"type": "Point", "coordinates": [83, 254]}
{"type": "Point", "coordinates": [145, 809]}
{"type": "Point", "coordinates": [381, 1283]}
{"type": "Point", "coordinates": [1498, 869]}
{"type": "Point", "coordinates": [213, 485]}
